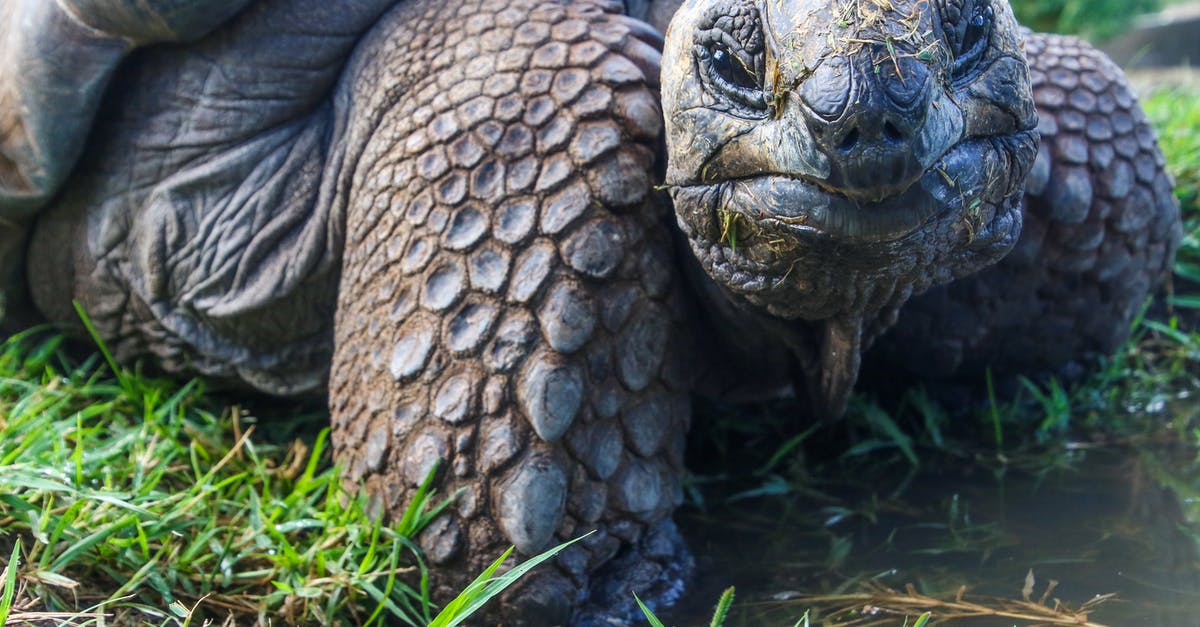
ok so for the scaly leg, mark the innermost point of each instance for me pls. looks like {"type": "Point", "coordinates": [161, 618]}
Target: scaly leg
{"type": "Point", "coordinates": [508, 303]}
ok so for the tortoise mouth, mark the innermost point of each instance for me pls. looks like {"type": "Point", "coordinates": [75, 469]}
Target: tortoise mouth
{"type": "Point", "coordinates": [803, 207]}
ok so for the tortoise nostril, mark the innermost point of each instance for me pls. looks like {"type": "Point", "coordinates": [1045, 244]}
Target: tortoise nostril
{"type": "Point", "coordinates": [893, 134]}
{"type": "Point", "coordinates": [890, 134]}
{"type": "Point", "coordinates": [849, 141]}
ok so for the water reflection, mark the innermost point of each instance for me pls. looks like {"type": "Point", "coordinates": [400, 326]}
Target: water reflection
{"type": "Point", "coordinates": [1117, 520]}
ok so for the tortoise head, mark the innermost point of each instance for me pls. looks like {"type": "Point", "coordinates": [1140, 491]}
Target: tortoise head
{"type": "Point", "coordinates": [830, 158]}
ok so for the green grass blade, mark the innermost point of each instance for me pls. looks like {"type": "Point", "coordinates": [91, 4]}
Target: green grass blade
{"type": "Point", "coordinates": [654, 622]}
{"type": "Point", "coordinates": [490, 587]}
{"type": "Point", "coordinates": [786, 449]}
{"type": "Point", "coordinates": [994, 412]}
{"type": "Point", "coordinates": [125, 383]}
{"type": "Point", "coordinates": [723, 605]}
{"type": "Point", "coordinates": [79, 549]}
{"type": "Point", "coordinates": [1172, 333]}
{"type": "Point", "coordinates": [385, 602]}
{"type": "Point", "coordinates": [456, 608]}
{"type": "Point", "coordinates": [409, 523]}
{"type": "Point", "coordinates": [1186, 302]}
{"type": "Point", "coordinates": [10, 583]}
{"type": "Point", "coordinates": [882, 422]}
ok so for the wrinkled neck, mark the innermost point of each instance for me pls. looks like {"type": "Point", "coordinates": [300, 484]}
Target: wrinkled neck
{"type": "Point", "coordinates": [753, 356]}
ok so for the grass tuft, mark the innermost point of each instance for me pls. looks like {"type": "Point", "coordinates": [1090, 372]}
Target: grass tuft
{"type": "Point", "coordinates": [1175, 114]}
{"type": "Point", "coordinates": [141, 498]}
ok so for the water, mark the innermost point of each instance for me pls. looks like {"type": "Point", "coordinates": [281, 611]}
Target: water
{"type": "Point", "coordinates": [1096, 520]}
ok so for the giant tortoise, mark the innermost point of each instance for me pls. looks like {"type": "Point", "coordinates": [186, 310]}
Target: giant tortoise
{"type": "Point", "coordinates": [478, 229]}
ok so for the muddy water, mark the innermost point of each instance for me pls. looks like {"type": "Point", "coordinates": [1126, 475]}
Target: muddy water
{"type": "Point", "coordinates": [1120, 520]}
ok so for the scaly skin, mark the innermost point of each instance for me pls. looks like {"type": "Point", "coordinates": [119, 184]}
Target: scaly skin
{"type": "Point", "coordinates": [442, 214]}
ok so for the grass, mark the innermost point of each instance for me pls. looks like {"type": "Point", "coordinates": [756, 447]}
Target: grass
{"type": "Point", "coordinates": [140, 499]}
{"type": "Point", "coordinates": [1175, 113]}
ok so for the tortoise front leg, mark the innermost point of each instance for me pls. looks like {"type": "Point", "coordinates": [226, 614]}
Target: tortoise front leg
{"type": "Point", "coordinates": [508, 303]}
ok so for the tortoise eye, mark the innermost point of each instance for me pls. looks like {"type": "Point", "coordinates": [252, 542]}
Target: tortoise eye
{"type": "Point", "coordinates": [729, 68]}
{"type": "Point", "coordinates": [731, 77]}
{"type": "Point", "coordinates": [975, 39]}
